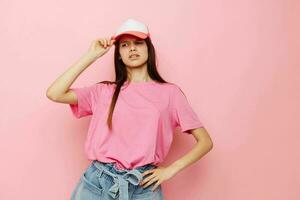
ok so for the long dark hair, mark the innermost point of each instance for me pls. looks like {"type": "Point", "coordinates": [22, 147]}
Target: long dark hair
{"type": "Point", "coordinates": [121, 74]}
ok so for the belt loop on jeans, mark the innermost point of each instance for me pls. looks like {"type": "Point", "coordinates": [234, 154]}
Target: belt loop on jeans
{"type": "Point", "coordinates": [120, 185]}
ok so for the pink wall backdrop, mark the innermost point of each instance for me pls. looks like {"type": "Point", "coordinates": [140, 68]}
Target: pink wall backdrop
{"type": "Point", "coordinates": [236, 60]}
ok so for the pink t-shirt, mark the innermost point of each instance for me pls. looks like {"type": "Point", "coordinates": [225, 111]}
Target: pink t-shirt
{"type": "Point", "coordinates": [144, 119]}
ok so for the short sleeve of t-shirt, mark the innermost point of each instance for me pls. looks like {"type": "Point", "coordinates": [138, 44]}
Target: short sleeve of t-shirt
{"type": "Point", "coordinates": [87, 97]}
{"type": "Point", "coordinates": [182, 112]}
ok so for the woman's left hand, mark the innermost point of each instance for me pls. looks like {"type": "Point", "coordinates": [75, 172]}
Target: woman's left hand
{"type": "Point", "coordinates": [159, 175]}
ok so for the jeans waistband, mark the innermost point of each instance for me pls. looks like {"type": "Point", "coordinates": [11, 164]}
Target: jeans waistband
{"type": "Point", "coordinates": [122, 177]}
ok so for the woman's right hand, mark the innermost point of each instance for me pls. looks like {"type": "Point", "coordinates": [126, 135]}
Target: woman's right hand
{"type": "Point", "coordinates": [100, 46]}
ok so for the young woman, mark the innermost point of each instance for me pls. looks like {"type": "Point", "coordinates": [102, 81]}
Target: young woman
{"type": "Point", "coordinates": [133, 119]}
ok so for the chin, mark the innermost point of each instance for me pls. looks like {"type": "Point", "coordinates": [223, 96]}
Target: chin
{"type": "Point", "coordinates": [135, 64]}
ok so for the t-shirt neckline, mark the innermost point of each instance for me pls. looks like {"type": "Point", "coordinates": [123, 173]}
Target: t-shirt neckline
{"type": "Point", "coordinates": [140, 82]}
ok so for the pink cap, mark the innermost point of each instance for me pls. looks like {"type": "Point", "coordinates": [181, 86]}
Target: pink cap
{"type": "Point", "coordinates": [132, 27]}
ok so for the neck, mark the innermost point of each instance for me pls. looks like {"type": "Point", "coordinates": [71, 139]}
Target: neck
{"type": "Point", "coordinates": [138, 74]}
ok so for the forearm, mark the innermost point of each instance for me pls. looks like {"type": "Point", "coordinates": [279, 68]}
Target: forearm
{"type": "Point", "coordinates": [64, 81]}
{"type": "Point", "coordinates": [198, 151]}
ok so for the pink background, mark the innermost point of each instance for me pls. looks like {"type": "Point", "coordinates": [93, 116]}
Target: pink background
{"type": "Point", "coordinates": [236, 60]}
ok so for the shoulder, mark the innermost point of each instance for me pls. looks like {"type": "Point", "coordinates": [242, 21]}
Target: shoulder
{"type": "Point", "coordinates": [105, 84]}
{"type": "Point", "coordinates": [174, 88]}
{"type": "Point", "coordinates": [106, 87]}
{"type": "Point", "coordinates": [168, 85]}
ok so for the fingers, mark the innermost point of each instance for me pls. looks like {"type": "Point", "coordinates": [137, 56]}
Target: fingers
{"type": "Point", "coordinates": [155, 186]}
{"type": "Point", "coordinates": [147, 172]}
{"type": "Point", "coordinates": [112, 41]}
{"type": "Point", "coordinates": [149, 181]}
{"type": "Point", "coordinates": [105, 42]}
{"type": "Point", "coordinates": [101, 41]}
{"type": "Point", "coordinates": [144, 180]}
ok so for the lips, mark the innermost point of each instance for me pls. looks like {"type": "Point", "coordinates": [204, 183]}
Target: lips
{"type": "Point", "coordinates": [134, 55]}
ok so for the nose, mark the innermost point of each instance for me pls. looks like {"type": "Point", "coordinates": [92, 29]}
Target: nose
{"type": "Point", "coordinates": [132, 47]}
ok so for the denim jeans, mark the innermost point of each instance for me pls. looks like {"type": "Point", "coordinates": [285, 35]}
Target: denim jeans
{"type": "Point", "coordinates": [103, 181]}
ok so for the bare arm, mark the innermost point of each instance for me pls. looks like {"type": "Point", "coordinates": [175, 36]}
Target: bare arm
{"type": "Point", "coordinates": [62, 84]}
{"type": "Point", "coordinates": [59, 89]}
{"type": "Point", "coordinates": [203, 146]}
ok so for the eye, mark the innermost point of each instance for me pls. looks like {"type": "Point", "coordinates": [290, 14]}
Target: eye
{"type": "Point", "coordinates": [123, 44]}
{"type": "Point", "coordinates": [139, 42]}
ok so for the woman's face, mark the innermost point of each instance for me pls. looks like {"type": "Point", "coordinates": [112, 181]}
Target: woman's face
{"type": "Point", "coordinates": [133, 50]}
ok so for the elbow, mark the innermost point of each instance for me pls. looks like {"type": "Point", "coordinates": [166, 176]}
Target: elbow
{"type": "Point", "coordinates": [209, 145]}
{"type": "Point", "coordinates": [50, 96]}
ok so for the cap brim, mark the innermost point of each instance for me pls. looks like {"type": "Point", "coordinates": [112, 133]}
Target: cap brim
{"type": "Point", "coordinates": [134, 33]}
